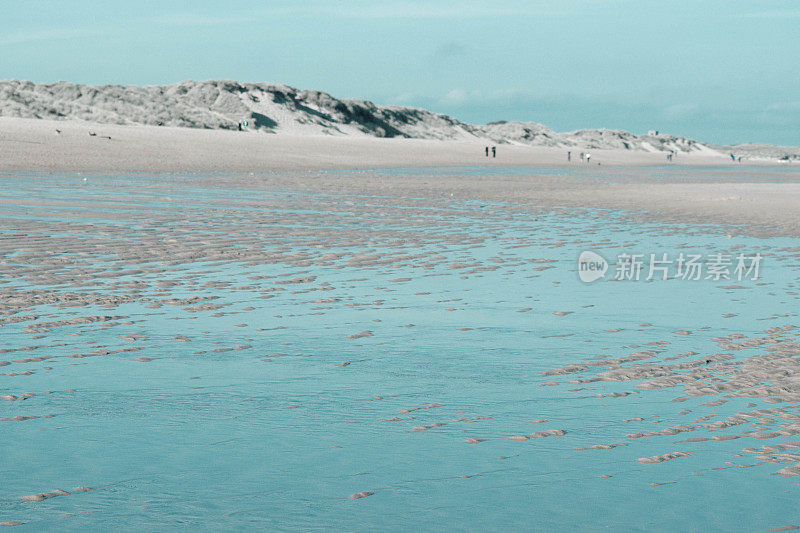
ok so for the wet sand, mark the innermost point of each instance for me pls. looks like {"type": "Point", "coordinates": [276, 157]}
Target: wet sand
{"type": "Point", "coordinates": [34, 146]}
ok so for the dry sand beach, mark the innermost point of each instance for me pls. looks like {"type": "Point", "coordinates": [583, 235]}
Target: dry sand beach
{"type": "Point", "coordinates": [30, 144]}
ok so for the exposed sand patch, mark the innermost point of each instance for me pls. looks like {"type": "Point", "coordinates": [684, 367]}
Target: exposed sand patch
{"type": "Point", "coordinates": [662, 458]}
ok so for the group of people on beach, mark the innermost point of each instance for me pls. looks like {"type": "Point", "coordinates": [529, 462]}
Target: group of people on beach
{"type": "Point", "coordinates": [587, 157]}
{"type": "Point", "coordinates": [584, 157]}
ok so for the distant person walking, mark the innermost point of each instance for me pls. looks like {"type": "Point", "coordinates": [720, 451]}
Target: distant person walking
{"type": "Point", "coordinates": [487, 151]}
{"type": "Point", "coordinates": [569, 156]}
{"type": "Point", "coordinates": [733, 157]}
{"type": "Point", "coordinates": [582, 156]}
{"type": "Point", "coordinates": [494, 151]}
{"type": "Point", "coordinates": [588, 158]}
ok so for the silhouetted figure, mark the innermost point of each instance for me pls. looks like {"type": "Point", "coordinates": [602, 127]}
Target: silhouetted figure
{"type": "Point", "coordinates": [733, 158]}
{"type": "Point", "coordinates": [582, 156]}
{"type": "Point", "coordinates": [487, 151]}
{"type": "Point", "coordinates": [569, 156]}
{"type": "Point", "coordinates": [240, 126]}
{"type": "Point", "coordinates": [494, 151]}
{"type": "Point", "coordinates": [588, 158]}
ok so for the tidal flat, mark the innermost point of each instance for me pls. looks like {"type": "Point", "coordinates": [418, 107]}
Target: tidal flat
{"type": "Point", "coordinates": [290, 351]}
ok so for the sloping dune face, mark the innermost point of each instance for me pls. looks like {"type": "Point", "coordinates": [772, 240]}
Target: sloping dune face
{"type": "Point", "coordinates": [275, 108]}
{"type": "Point", "coordinates": [223, 104]}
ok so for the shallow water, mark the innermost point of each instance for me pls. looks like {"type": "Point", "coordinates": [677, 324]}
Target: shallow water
{"type": "Point", "coordinates": [219, 355]}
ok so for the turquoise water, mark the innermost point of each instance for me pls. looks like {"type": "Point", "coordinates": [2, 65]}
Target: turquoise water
{"type": "Point", "coordinates": [222, 384]}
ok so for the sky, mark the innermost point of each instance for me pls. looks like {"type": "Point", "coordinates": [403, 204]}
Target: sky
{"type": "Point", "coordinates": [722, 71]}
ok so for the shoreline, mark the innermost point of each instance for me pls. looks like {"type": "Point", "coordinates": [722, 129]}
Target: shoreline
{"type": "Point", "coordinates": [740, 198]}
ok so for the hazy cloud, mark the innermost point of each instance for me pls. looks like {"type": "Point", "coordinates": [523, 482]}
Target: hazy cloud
{"type": "Point", "coordinates": [372, 9]}
{"type": "Point", "coordinates": [771, 14]}
{"type": "Point", "coordinates": [721, 123]}
{"type": "Point", "coordinates": [49, 34]}
{"type": "Point", "coordinates": [450, 50]}
{"type": "Point", "coordinates": [194, 19]}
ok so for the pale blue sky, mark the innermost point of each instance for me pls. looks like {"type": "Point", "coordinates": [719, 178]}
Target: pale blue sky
{"type": "Point", "coordinates": [717, 70]}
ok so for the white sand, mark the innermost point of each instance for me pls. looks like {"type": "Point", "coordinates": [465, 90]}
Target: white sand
{"type": "Point", "coordinates": [33, 144]}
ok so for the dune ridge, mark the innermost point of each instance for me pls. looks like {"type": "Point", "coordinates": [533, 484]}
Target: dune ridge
{"type": "Point", "coordinates": [275, 108]}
